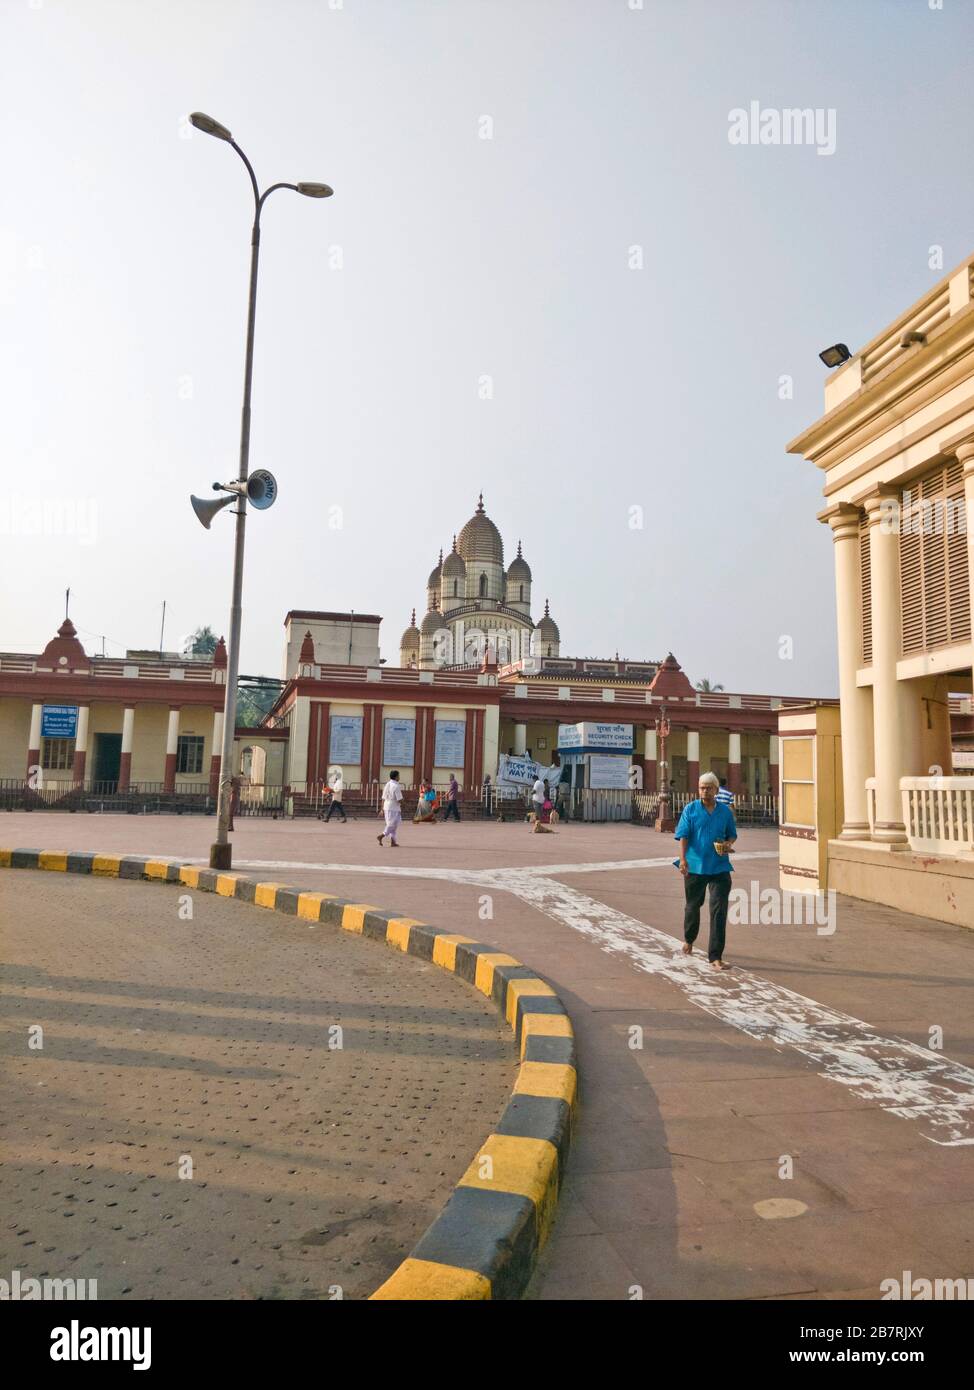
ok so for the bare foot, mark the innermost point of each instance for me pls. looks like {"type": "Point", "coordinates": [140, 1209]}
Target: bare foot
{"type": "Point", "coordinates": [379, 838]}
{"type": "Point", "coordinates": [687, 949]}
{"type": "Point", "coordinates": [719, 965]}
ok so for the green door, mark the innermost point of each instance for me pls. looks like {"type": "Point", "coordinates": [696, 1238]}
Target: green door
{"type": "Point", "coordinates": [108, 759]}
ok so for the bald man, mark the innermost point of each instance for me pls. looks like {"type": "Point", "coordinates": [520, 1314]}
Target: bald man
{"type": "Point", "coordinates": [707, 832]}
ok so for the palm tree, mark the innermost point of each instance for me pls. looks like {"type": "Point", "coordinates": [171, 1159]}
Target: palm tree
{"type": "Point", "coordinates": [707, 687]}
{"type": "Point", "coordinates": [202, 642]}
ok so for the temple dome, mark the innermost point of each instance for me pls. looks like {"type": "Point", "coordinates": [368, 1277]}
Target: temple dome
{"type": "Point", "coordinates": [432, 623]}
{"type": "Point", "coordinates": [547, 627]}
{"type": "Point", "coordinates": [434, 580]}
{"type": "Point", "coordinates": [453, 566]}
{"type": "Point", "coordinates": [519, 567]}
{"type": "Point", "coordinates": [480, 541]}
{"type": "Point", "coordinates": [410, 637]}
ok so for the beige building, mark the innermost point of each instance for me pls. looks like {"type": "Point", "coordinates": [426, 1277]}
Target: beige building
{"type": "Point", "coordinates": [896, 450]}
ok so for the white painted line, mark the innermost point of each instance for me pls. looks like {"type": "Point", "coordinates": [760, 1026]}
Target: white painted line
{"type": "Point", "coordinates": [904, 1078]}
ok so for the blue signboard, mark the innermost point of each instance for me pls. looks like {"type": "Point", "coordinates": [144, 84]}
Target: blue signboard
{"type": "Point", "coordinates": [450, 735]}
{"type": "Point", "coordinates": [399, 742]}
{"type": "Point", "coordinates": [59, 721]}
{"type": "Point", "coordinates": [345, 740]}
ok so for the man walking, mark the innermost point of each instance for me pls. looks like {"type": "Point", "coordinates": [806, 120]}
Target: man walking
{"type": "Point", "coordinates": [537, 797]}
{"type": "Point", "coordinates": [707, 833]}
{"type": "Point", "coordinates": [392, 809]}
{"type": "Point", "coordinates": [452, 800]}
{"type": "Point", "coordinates": [725, 797]}
{"type": "Point", "coordinates": [337, 792]}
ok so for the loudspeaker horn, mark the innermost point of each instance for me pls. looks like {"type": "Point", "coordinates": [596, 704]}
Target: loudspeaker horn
{"type": "Point", "coordinates": [206, 510]}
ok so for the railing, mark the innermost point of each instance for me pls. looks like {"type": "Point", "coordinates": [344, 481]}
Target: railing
{"type": "Point", "coordinates": [938, 813]}
{"type": "Point", "coordinates": [748, 810]}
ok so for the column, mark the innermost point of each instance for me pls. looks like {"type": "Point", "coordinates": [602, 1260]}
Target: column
{"type": "Point", "coordinates": [520, 739]}
{"type": "Point", "coordinates": [125, 761]}
{"type": "Point", "coordinates": [649, 762]}
{"type": "Point", "coordinates": [215, 753]}
{"type": "Point", "coordinates": [34, 746]}
{"type": "Point", "coordinates": [883, 510]}
{"type": "Point", "coordinates": [774, 778]}
{"type": "Point", "coordinates": [172, 745]}
{"type": "Point", "coordinates": [734, 762]}
{"type": "Point", "coordinates": [693, 760]}
{"type": "Point", "coordinates": [80, 747]}
{"type": "Point", "coordinates": [855, 702]}
{"type": "Point", "coordinates": [965, 452]}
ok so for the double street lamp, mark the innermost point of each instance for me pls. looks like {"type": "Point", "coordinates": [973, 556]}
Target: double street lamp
{"type": "Point", "coordinates": [220, 851]}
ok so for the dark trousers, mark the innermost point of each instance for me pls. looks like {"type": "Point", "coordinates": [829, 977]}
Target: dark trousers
{"type": "Point", "coordinates": [452, 808]}
{"type": "Point", "coordinates": [335, 806]}
{"type": "Point", "coordinates": [695, 886]}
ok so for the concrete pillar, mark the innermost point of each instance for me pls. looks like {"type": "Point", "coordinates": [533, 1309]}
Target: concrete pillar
{"type": "Point", "coordinates": [172, 744]}
{"type": "Point", "coordinates": [81, 746]}
{"type": "Point", "coordinates": [520, 739]}
{"type": "Point", "coordinates": [693, 760]}
{"type": "Point", "coordinates": [774, 776]}
{"type": "Point", "coordinates": [125, 761]}
{"type": "Point", "coordinates": [734, 762]}
{"type": "Point", "coordinates": [215, 754]}
{"type": "Point", "coordinates": [649, 762]}
{"type": "Point", "coordinates": [34, 746]}
{"type": "Point", "coordinates": [889, 707]}
{"type": "Point", "coordinates": [855, 702]}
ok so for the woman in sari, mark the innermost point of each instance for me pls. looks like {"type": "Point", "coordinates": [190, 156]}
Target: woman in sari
{"type": "Point", "coordinates": [427, 805]}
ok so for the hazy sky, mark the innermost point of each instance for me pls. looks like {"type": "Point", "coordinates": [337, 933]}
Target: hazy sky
{"type": "Point", "coordinates": [446, 258]}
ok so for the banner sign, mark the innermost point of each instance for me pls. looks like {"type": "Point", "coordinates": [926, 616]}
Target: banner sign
{"type": "Point", "coordinates": [583, 737]}
{"type": "Point", "coordinates": [450, 737]}
{"type": "Point", "coordinates": [608, 770]}
{"type": "Point", "coordinates": [398, 742]}
{"type": "Point", "coordinates": [525, 771]}
{"type": "Point", "coordinates": [59, 721]}
{"type": "Point", "coordinates": [345, 741]}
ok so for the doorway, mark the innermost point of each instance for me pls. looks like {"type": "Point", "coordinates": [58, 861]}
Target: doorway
{"type": "Point", "coordinates": [108, 760]}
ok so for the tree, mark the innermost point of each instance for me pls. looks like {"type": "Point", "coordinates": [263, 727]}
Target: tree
{"type": "Point", "coordinates": [202, 642]}
{"type": "Point", "coordinates": [706, 687]}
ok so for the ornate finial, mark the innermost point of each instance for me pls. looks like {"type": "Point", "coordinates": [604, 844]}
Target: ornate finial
{"type": "Point", "coordinates": [480, 503]}
{"type": "Point", "coordinates": [454, 543]}
{"type": "Point", "coordinates": [441, 557]}
{"type": "Point", "coordinates": [519, 556]}
{"type": "Point", "coordinates": [413, 621]}
{"type": "Point", "coordinates": [546, 613]}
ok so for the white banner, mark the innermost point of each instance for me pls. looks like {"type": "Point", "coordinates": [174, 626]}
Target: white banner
{"type": "Point", "coordinates": [525, 771]}
{"type": "Point", "coordinates": [608, 770]}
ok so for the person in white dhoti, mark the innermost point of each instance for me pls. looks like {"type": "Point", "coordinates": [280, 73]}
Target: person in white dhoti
{"type": "Point", "coordinates": [392, 809]}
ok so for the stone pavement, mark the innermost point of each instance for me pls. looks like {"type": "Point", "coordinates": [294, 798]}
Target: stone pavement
{"type": "Point", "coordinates": [314, 1167]}
{"type": "Point", "coordinates": [699, 1094]}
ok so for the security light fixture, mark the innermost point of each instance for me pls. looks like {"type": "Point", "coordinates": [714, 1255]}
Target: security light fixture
{"type": "Point", "coordinates": [835, 355]}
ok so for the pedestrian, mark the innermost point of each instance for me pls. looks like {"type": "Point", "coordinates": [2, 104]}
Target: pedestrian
{"type": "Point", "coordinates": [452, 800]}
{"type": "Point", "coordinates": [725, 796]}
{"type": "Point", "coordinates": [337, 792]}
{"type": "Point", "coordinates": [707, 833]}
{"type": "Point", "coordinates": [426, 804]}
{"type": "Point", "coordinates": [538, 797]}
{"type": "Point", "coordinates": [391, 809]}
{"type": "Point", "coordinates": [488, 795]}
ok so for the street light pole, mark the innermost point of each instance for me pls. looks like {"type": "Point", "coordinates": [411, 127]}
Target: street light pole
{"type": "Point", "coordinates": [220, 850]}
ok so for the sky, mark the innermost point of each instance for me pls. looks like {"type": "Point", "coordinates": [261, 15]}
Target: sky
{"type": "Point", "coordinates": [547, 272]}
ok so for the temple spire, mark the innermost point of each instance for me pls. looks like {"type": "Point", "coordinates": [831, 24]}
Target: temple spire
{"type": "Point", "coordinates": [480, 503]}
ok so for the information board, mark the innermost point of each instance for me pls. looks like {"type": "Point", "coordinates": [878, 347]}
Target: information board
{"type": "Point", "coordinates": [345, 739]}
{"type": "Point", "coordinates": [398, 742]}
{"type": "Point", "coordinates": [450, 736]}
{"type": "Point", "coordinates": [59, 721]}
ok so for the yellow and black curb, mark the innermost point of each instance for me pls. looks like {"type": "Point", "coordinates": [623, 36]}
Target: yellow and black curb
{"type": "Point", "coordinates": [486, 1240]}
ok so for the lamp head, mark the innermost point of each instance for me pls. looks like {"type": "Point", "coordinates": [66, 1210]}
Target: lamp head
{"type": "Point", "coordinates": [315, 190]}
{"type": "Point", "coordinates": [209, 126]}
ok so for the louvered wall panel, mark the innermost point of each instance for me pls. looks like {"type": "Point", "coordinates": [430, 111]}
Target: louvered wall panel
{"type": "Point", "coordinates": [865, 591]}
{"type": "Point", "coordinates": [934, 586]}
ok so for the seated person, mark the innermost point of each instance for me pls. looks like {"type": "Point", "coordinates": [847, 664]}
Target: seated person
{"type": "Point", "coordinates": [427, 805]}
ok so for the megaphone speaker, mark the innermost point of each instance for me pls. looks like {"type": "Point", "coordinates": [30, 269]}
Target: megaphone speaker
{"type": "Point", "coordinates": [207, 509]}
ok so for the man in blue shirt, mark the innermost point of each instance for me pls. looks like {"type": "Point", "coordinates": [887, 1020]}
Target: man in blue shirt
{"type": "Point", "coordinates": [707, 833]}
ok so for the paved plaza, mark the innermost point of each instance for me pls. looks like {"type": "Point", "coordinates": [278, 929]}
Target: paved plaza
{"type": "Point", "coordinates": [326, 1094]}
{"type": "Point", "coordinates": [795, 1128]}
